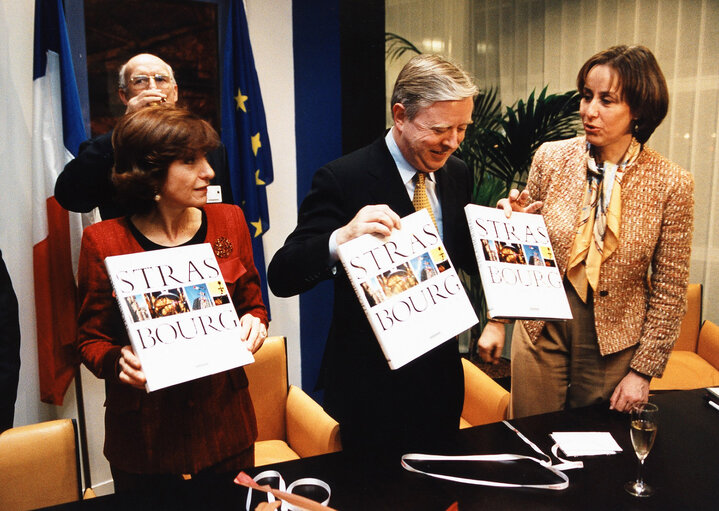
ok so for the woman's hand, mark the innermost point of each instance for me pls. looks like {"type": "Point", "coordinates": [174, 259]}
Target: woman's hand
{"type": "Point", "coordinates": [491, 342]}
{"type": "Point", "coordinates": [252, 331]}
{"type": "Point", "coordinates": [517, 201]}
{"type": "Point", "coordinates": [130, 368]}
{"type": "Point", "coordinates": [634, 388]}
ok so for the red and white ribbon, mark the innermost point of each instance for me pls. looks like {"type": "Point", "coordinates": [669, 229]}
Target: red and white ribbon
{"type": "Point", "coordinates": [290, 501]}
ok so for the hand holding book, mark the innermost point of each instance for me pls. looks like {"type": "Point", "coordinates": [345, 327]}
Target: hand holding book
{"type": "Point", "coordinates": [179, 317]}
{"type": "Point", "coordinates": [373, 219]}
{"type": "Point", "coordinates": [516, 261]}
{"type": "Point", "coordinates": [517, 201]}
{"type": "Point", "coordinates": [252, 332]}
{"type": "Point", "coordinates": [491, 342]}
{"type": "Point", "coordinates": [131, 369]}
{"type": "Point", "coordinates": [408, 288]}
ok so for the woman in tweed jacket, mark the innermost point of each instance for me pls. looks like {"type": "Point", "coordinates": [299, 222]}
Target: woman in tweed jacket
{"type": "Point", "coordinates": [617, 212]}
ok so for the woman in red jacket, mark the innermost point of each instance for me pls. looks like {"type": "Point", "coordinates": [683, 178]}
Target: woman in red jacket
{"type": "Point", "coordinates": [205, 425]}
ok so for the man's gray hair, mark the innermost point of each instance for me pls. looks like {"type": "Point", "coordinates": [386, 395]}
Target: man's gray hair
{"type": "Point", "coordinates": [428, 78]}
{"type": "Point", "coordinates": [122, 81]}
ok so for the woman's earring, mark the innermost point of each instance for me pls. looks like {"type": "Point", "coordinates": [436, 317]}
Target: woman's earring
{"type": "Point", "coordinates": [157, 196]}
{"type": "Point", "coordinates": [635, 127]}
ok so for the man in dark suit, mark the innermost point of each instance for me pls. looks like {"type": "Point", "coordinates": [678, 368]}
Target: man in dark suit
{"type": "Point", "coordinates": [368, 191]}
{"type": "Point", "coordinates": [84, 184]}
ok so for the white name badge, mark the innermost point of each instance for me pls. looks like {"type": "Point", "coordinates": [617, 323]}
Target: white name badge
{"type": "Point", "coordinates": [214, 194]}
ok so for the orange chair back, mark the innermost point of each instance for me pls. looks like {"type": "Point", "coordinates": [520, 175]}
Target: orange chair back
{"type": "Point", "coordinates": [268, 388]}
{"type": "Point", "coordinates": [691, 323]}
{"type": "Point", "coordinates": [485, 400]}
{"type": "Point", "coordinates": [708, 347]}
{"type": "Point", "coordinates": [39, 465]}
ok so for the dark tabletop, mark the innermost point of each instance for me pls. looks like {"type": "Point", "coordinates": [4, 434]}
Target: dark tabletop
{"type": "Point", "coordinates": [683, 467]}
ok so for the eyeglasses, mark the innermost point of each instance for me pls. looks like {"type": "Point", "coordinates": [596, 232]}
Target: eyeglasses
{"type": "Point", "coordinates": [143, 81]}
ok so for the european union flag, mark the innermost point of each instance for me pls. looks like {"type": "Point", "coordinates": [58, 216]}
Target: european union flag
{"type": "Point", "coordinates": [244, 133]}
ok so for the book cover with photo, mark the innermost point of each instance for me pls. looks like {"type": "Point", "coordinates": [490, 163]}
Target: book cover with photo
{"type": "Point", "coordinates": [516, 264]}
{"type": "Point", "coordinates": [408, 288]}
{"type": "Point", "coordinates": [178, 315]}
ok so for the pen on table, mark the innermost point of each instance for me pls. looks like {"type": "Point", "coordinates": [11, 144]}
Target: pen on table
{"type": "Point", "coordinates": [713, 404]}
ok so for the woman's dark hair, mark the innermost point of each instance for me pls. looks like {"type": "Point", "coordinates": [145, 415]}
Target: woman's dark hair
{"type": "Point", "coordinates": [146, 143]}
{"type": "Point", "coordinates": [642, 82]}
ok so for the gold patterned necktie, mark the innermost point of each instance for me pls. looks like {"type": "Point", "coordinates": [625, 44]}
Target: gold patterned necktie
{"type": "Point", "coordinates": [420, 199]}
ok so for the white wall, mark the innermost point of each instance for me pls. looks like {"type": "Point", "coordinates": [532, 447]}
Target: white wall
{"type": "Point", "coordinates": [271, 34]}
{"type": "Point", "coordinates": [15, 190]}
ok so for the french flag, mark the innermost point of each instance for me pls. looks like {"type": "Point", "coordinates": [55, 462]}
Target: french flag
{"type": "Point", "coordinates": [58, 131]}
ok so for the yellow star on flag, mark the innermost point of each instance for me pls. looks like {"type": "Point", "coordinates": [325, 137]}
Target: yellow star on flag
{"type": "Point", "coordinates": [256, 144]}
{"type": "Point", "coordinates": [240, 99]}
{"type": "Point", "coordinates": [258, 227]}
{"type": "Point", "coordinates": [258, 181]}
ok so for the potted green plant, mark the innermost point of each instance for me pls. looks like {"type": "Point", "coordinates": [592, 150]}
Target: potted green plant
{"type": "Point", "coordinates": [500, 144]}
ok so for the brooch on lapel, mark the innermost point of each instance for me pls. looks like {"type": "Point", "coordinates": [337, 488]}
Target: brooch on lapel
{"type": "Point", "coordinates": [222, 247]}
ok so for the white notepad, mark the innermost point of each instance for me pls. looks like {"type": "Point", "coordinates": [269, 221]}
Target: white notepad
{"type": "Point", "coordinates": [586, 443]}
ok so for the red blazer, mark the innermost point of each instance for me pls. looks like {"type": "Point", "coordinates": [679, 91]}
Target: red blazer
{"type": "Point", "coordinates": [190, 426]}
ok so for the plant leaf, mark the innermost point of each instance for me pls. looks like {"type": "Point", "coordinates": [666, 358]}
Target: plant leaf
{"type": "Point", "coordinates": [396, 46]}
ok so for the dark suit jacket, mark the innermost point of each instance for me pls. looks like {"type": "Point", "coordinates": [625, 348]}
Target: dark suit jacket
{"type": "Point", "coordinates": [9, 348]}
{"type": "Point", "coordinates": [186, 427]}
{"type": "Point", "coordinates": [361, 392]}
{"type": "Point", "coordinates": [84, 184]}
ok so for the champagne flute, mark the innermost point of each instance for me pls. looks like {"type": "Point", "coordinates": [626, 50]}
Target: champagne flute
{"type": "Point", "coordinates": [643, 430]}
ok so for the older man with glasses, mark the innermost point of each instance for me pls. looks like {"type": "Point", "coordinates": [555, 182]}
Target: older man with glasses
{"type": "Point", "coordinates": [146, 80]}
{"type": "Point", "coordinates": [85, 184]}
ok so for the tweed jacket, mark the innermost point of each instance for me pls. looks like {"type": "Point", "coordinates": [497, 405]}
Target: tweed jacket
{"type": "Point", "coordinates": [656, 233]}
{"type": "Point", "coordinates": [186, 427]}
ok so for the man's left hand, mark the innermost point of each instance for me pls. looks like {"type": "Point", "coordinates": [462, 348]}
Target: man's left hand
{"type": "Point", "coordinates": [634, 388]}
{"type": "Point", "coordinates": [491, 342]}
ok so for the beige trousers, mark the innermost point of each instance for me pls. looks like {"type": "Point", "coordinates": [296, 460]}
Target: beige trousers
{"type": "Point", "coordinates": [564, 368]}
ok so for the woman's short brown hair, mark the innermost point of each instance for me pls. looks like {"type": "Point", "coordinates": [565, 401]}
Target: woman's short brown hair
{"type": "Point", "coordinates": [642, 82]}
{"type": "Point", "coordinates": [146, 143]}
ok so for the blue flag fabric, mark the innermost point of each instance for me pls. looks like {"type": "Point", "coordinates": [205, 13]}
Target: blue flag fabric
{"type": "Point", "coordinates": [244, 133]}
{"type": "Point", "coordinates": [51, 36]}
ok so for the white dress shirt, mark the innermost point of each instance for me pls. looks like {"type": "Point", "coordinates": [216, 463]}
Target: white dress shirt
{"type": "Point", "coordinates": [406, 173]}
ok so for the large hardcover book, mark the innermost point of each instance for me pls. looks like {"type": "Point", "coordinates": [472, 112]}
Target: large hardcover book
{"type": "Point", "coordinates": [516, 264]}
{"type": "Point", "coordinates": [408, 288]}
{"type": "Point", "coordinates": [178, 314]}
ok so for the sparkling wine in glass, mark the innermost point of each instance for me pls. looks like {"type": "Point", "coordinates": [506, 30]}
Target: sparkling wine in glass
{"type": "Point", "coordinates": [643, 431]}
